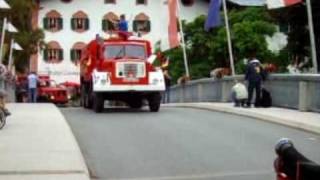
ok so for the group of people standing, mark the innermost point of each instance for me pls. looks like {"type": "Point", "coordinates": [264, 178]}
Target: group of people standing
{"type": "Point", "coordinates": [254, 75]}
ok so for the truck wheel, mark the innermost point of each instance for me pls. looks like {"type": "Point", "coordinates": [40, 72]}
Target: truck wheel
{"type": "Point", "coordinates": [154, 102]}
{"type": "Point", "coordinates": [98, 103]}
{"type": "Point", "coordinates": [135, 104]}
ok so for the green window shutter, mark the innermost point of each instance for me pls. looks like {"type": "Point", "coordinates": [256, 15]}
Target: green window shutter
{"type": "Point", "coordinates": [45, 23]}
{"type": "Point", "coordinates": [60, 23]}
{"type": "Point", "coordinates": [135, 26]}
{"type": "Point", "coordinates": [104, 25]}
{"type": "Point", "coordinates": [110, 26]}
{"type": "Point", "coordinates": [148, 28]}
{"type": "Point", "coordinates": [86, 24]}
{"type": "Point", "coordinates": [61, 54]}
{"type": "Point", "coordinates": [45, 55]}
{"type": "Point", "coordinates": [73, 24]}
{"type": "Point", "coordinates": [72, 54]}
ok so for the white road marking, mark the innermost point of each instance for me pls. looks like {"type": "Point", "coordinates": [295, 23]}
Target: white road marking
{"type": "Point", "coordinates": [201, 176]}
{"type": "Point", "coordinates": [312, 139]}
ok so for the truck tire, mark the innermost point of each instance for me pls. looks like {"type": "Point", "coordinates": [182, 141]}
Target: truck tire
{"type": "Point", "coordinates": [135, 103]}
{"type": "Point", "coordinates": [98, 103]}
{"type": "Point", "coordinates": [154, 102]}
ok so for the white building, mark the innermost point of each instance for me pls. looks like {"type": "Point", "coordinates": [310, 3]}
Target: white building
{"type": "Point", "coordinates": [70, 24]}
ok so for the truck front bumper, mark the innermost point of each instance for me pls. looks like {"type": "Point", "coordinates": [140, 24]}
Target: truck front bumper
{"type": "Point", "coordinates": [128, 88]}
{"type": "Point", "coordinates": [102, 83]}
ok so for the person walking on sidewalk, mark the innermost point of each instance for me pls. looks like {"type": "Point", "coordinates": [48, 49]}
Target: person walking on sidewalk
{"type": "Point", "coordinates": [32, 87]}
{"type": "Point", "coordinates": [254, 76]}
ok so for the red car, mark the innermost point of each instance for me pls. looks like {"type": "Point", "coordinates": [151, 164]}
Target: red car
{"type": "Point", "coordinates": [49, 91]}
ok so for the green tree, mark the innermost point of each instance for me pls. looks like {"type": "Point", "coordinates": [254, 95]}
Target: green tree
{"type": "Point", "coordinates": [293, 21]}
{"type": "Point", "coordinates": [29, 38]}
{"type": "Point", "coordinates": [209, 50]}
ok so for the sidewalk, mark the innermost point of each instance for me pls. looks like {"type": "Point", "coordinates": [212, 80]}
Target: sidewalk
{"type": "Point", "coordinates": [38, 144]}
{"type": "Point", "coordinates": [293, 118]}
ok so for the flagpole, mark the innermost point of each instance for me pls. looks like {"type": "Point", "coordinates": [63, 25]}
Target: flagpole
{"type": "Point", "coordinates": [228, 37]}
{"type": "Point", "coordinates": [4, 27]}
{"type": "Point", "coordinates": [312, 37]}
{"type": "Point", "coordinates": [183, 45]}
{"type": "Point", "coordinates": [10, 55]}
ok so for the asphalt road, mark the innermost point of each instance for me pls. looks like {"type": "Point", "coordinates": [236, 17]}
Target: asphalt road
{"type": "Point", "coordinates": [181, 144]}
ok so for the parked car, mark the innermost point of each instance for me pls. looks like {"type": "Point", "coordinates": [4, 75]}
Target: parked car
{"type": "Point", "coordinates": [50, 91]}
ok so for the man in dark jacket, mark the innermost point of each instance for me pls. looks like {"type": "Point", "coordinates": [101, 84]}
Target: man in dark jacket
{"type": "Point", "coordinates": [254, 76]}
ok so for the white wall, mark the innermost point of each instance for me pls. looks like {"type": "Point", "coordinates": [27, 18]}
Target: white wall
{"type": "Point", "coordinates": [157, 10]}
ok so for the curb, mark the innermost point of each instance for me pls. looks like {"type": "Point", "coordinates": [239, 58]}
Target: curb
{"type": "Point", "coordinates": [77, 147]}
{"type": "Point", "coordinates": [40, 145]}
{"type": "Point", "coordinates": [267, 118]}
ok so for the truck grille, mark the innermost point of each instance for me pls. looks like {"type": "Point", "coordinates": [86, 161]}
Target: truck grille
{"type": "Point", "coordinates": [131, 70]}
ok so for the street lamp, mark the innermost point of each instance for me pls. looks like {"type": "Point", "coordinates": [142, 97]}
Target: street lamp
{"type": "Point", "coordinates": [13, 46]}
{"type": "Point", "coordinates": [3, 5]}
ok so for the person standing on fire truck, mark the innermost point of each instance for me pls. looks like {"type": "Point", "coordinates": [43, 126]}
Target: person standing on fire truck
{"type": "Point", "coordinates": [123, 23]}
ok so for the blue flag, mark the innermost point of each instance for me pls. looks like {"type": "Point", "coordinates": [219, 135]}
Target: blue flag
{"type": "Point", "coordinates": [213, 19]}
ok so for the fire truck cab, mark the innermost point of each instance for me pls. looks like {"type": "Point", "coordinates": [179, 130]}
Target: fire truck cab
{"type": "Point", "coordinates": [120, 69]}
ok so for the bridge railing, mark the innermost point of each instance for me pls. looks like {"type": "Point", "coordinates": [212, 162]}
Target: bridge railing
{"type": "Point", "coordinates": [300, 92]}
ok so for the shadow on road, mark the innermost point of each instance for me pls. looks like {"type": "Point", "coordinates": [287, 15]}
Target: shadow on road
{"type": "Point", "coordinates": [124, 110]}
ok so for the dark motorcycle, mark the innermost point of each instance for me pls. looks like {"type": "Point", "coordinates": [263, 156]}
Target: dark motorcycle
{"type": "Point", "coordinates": [292, 165]}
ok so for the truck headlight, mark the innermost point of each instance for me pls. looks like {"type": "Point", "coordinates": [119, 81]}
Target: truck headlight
{"type": "Point", "coordinates": [52, 97]}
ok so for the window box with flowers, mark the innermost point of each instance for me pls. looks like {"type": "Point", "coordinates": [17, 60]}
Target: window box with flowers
{"type": "Point", "coordinates": [109, 22]}
{"type": "Point", "coordinates": [80, 24]}
{"type": "Point", "coordinates": [75, 55]}
{"type": "Point", "coordinates": [142, 24]}
{"type": "Point", "coordinates": [53, 55]}
{"type": "Point", "coordinates": [53, 21]}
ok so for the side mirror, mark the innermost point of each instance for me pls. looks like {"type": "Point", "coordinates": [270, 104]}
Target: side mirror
{"type": "Point", "coordinates": [152, 58]}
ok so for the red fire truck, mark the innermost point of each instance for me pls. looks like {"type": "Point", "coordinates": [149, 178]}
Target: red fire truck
{"type": "Point", "coordinates": [120, 68]}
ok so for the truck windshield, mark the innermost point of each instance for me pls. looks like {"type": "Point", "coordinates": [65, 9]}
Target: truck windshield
{"type": "Point", "coordinates": [119, 51]}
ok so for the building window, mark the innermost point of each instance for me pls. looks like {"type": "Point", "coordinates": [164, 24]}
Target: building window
{"type": "Point", "coordinates": [141, 2]}
{"type": "Point", "coordinates": [141, 24]}
{"type": "Point", "coordinates": [53, 21]}
{"type": "Point", "coordinates": [53, 53]}
{"type": "Point", "coordinates": [109, 22]}
{"type": "Point", "coordinates": [66, 1]}
{"type": "Point", "coordinates": [110, 1]}
{"type": "Point", "coordinates": [76, 52]}
{"type": "Point", "coordinates": [80, 22]}
{"type": "Point", "coordinates": [187, 2]}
